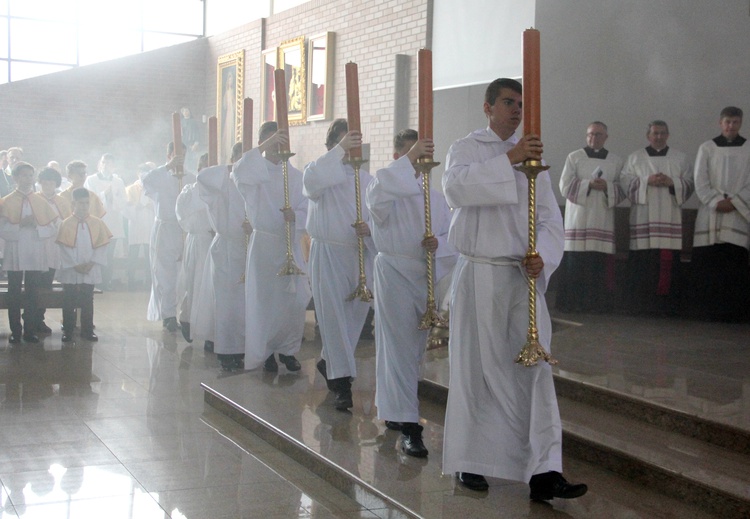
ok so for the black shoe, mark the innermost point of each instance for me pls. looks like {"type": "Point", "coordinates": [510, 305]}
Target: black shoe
{"type": "Point", "coordinates": [30, 337]}
{"type": "Point", "coordinates": [321, 365]}
{"type": "Point", "coordinates": [185, 327]}
{"type": "Point", "coordinates": [170, 323]}
{"type": "Point", "coordinates": [473, 481]}
{"type": "Point", "coordinates": [411, 440]}
{"type": "Point", "coordinates": [208, 346]}
{"type": "Point", "coordinates": [291, 363]}
{"type": "Point", "coordinates": [271, 365]}
{"type": "Point", "coordinates": [551, 484]}
{"type": "Point", "coordinates": [43, 328]}
{"type": "Point", "coordinates": [14, 339]}
{"type": "Point", "coordinates": [342, 387]}
{"type": "Point", "coordinates": [67, 336]}
{"type": "Point", "coordinates": [393, 426]}
{"type": "Point", "coordinates": [90, 336]}
{"type": "Point", "coordinates": [228, 362]}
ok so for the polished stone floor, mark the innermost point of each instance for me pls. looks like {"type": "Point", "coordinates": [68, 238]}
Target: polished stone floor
{"type": "Point", "coordinates": [119, 428]}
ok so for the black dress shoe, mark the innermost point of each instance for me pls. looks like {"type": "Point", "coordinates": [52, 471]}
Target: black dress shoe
{"type": "Point", "coordinates": [321, 365]}
{"type": "Point", "coordinates": [271, 365]}
{"type": "Point", "coordinates": [208, 346]}
{"type": "Point", "coordinates": [551, 484]}
{"type": "Point", "coordinates": [91, 337]}
{"type": "Point", "coordinates": [411, 440]}
{"type": "Point", "coordinates": [30, 337]}
{"type": "Point", "coordinates": [393, 426]}
{"type": "Point", "coordinates": [43, 328]}
{"type": "Point", "coordinates": [291, 363]}
{"type": "Point", "coordinates": [473, 481]}
{"type": "Point", "coordinates": [14, 339]}
{"type": "Point", "coordinates": [185, 327]}
{"type": "Point", "coordinates": [67, 337]}
{"type": "Point", "coordinates": [344, 400]}
{"type": "Point", "coordinates": [170, 323]}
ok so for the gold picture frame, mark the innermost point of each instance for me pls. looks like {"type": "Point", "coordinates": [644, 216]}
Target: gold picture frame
{"type": "Point", "coordinates": [291, 58]}
{"type": "Point", "coordinates": [320, 77]}
{"type": "Point", "coordinates": [230, 70]}
{"type": "Point", "coordinates": [268, 62]}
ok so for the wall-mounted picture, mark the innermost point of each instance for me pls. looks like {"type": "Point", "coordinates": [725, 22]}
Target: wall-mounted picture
{"type": "Point", "coordinates": [292, 60]}
{"type": "Point", "coordinates": [229, 92]}
{"type": "Point", "coordinates": [320, 77]}
{"type": "Point", "coordinates": [267, 87]}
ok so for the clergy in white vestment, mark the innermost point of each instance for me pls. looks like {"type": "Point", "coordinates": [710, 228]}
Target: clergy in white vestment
{"type": "Point", "coordinates": [395, 199]}
{"type": "Point", "coordinates": [657, 180]}
{"type": "Point", "coordinates": [722, 228]}
{"type": "Point", "coordinates": [590, 183]}
{"type": "Point", "coordinates": [110, 189]}
{"type": "Point", "coordinates": [26, 222]}
{"type": "Point", "coordinates": [162, 186]}
{"type": "Point", "coordinates": [227, 261]}
{"type": "Point", "coordinates": [139, 213]}
{"type": "Point", "coordinates": [334, 256]}
{"type": "Point", "coordinates": [192, 215]}
{"type": "Point", "coordinates": [502, 418]}
{"type": "Point", "coordinates": [275, 305]}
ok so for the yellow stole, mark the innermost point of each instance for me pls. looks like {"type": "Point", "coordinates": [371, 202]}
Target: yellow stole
{"type": "Point", "coordinates": [63, 206]}
{"type": "Point", "coordinates": [98, 230]}
{"type": "Point", "coordinates": [96, 208]}
{"type": "Point", "coordinates": [13, 206]}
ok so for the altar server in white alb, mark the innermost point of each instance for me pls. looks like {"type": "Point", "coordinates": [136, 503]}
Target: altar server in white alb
{"type": "Point", "coordinates": [275, 305]}
{"type": "Point", "coordinates": [110, 188]}
{"type": "Point", "coordinates": [396, 202]}
{"type": "Point", "coordinates": [590, 183]}
{"type": "Point", "coordinates": [162, 186]}
{"type": "Point", "coordinates": [502, 418]}
{"type": "Point", "coordinates": [334, 257]}
{"type": "Point", "coordinates": [227, 261]}
{"type": "Point", "coordinates": [192, 215]}
{"type": "Point", "coordinates": [140, 214]}
{"type": "Point", "coordinates": [722, 228]}
{"type": "Point", "coordinates": [658, 180]}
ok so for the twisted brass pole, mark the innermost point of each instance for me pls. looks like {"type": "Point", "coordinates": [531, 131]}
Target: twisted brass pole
{"type": "Point", "coordinates": [532, 351]}
{"type": "Point", "coordinates": [290, 268]}
{"type": "Point", "coordinates": [431, 316]}
{"type": "Point", "coordinates": [361, 291]}
{"type": "Point", "coordinates": [247, 244]}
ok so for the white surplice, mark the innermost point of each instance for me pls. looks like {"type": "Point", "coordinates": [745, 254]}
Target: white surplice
{"type": "Point", "coordinates": [140, 214]}
{"type": "Point", "coordinates": [502, 418]}
{"type": "Point", "coordinates": [334, 257]}
{"type": "Point", "coordinates": [111, 191]}
{"type": "Point", "coordinates": [396, 202]}
{"type": "Point", "coordinates": [25, 247]}
{"type": "Point", "coordinates": [83, 252]}
{"type": "Point", "coordinates": [275, 305]}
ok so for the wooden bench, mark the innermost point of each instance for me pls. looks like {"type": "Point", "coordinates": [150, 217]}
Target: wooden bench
{"type": "Point", "coordinates": [48, 298]}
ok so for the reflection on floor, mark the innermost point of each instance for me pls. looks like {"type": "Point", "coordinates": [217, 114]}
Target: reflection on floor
{"type": "Point", "coordinates": [119, 428]}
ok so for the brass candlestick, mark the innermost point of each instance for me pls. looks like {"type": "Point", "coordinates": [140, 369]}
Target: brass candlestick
{"type": "Point", "coordinates": [431, 317]}
{"type": "Point", "coordinates": [532, 351]}
{"type": "Point", "coordinates": [290, 268]}
{"type": "Point", "coordinates": [361, 292]}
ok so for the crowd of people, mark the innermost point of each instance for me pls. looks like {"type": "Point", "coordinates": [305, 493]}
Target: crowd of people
{"type": "Point", "coordinates": [221, 241]}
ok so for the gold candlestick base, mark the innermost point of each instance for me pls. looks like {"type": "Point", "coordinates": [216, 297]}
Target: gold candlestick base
{"type": "Point", "coordinates": [361, 292]}
{"type": "Point", "coordinates": [290, 268]}
{"type": "Point", "coordinates": [432, 318]}
{"type": "Point", "coordinates": [533, 351]}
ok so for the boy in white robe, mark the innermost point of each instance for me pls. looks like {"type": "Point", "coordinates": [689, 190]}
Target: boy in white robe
{"type": "Point", "coordinates": [657, 180]}
{"type": "Point", "coordinates": [722, 228]}
{"type": "Point", "coordinates": [334, 257]}
{"type": "Point", "coordinates": [590, 183]}
{"type": "Point", "coordinates": [275, 305]}
{"type": "Point", "coordinates": [83, 241]}
{"type": "Point", "coordinates": [162, 186]}
{"type": "Point", "coordinates": [227, 258]}
{"type": "Point", "coordinates": [140, 214]}
{"type": "Point", "coordinates": [27, 221]}
{"type": "Point", "coordinates": [502, 418]}
{"type": "Point", "coordinates": [395, 199]}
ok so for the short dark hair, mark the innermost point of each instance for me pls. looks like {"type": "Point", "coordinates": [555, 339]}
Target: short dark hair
{"type": "Point", "coordinates": [80, 194]}
{"type": "Point", "coordinates": [600, 124]}
{"type": "Point", "coordinates": [236, 152]}
{"type": "Point", "coordinates": [403, 137]}
{"type": "Point", "coordinates": [493, 90]}
{"type": "Point", "coordinates": [170, 147]}
{"type": "Point", "coordinates": [19, 166]}
{"type": "Point", "coordinates": [336, 127]}
{"type": "Point", "coordinates": [75, 164]}
{"type": "Point", "coordinates": [657, 122]}
{"type": "Point", "coordinates": [267, 129]}
{"type": "Point", "coordinates": [50, 174]}
{"type": "Point", "coordinates": [731, 111]}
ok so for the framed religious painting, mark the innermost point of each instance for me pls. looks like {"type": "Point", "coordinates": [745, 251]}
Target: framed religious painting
{"type": "Point", "coordinates": [320, 77]}
{"type": "Point", "coordinates": [292, 61]}
{"type": "Point", "coordinates": [267, 86]}
{"type": "Point", "coordinates": [229, 93]}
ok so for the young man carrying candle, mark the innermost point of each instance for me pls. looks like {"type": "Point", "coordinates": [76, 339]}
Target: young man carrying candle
{"type": "Point", "coordinates": [502, 418]}
{"type": "Point", "coordinates": [395, 198]}
{"type": "Point", "coordinates": [334, 259]}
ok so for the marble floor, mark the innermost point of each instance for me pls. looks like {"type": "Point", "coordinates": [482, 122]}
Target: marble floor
{"type": "Point", "coordinates": [119, 428]}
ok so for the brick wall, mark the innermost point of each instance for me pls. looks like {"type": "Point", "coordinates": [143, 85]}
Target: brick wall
{"type": "Point", "coordinates": [122, 106]}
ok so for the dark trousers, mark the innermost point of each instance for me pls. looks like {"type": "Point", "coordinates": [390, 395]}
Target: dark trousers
{"type": "Point", "coordinates": [18, 282]}
{"type": "Point", "coordinates": [45, 283]}
{"type": "Point", "coordinates": [78, 296]}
